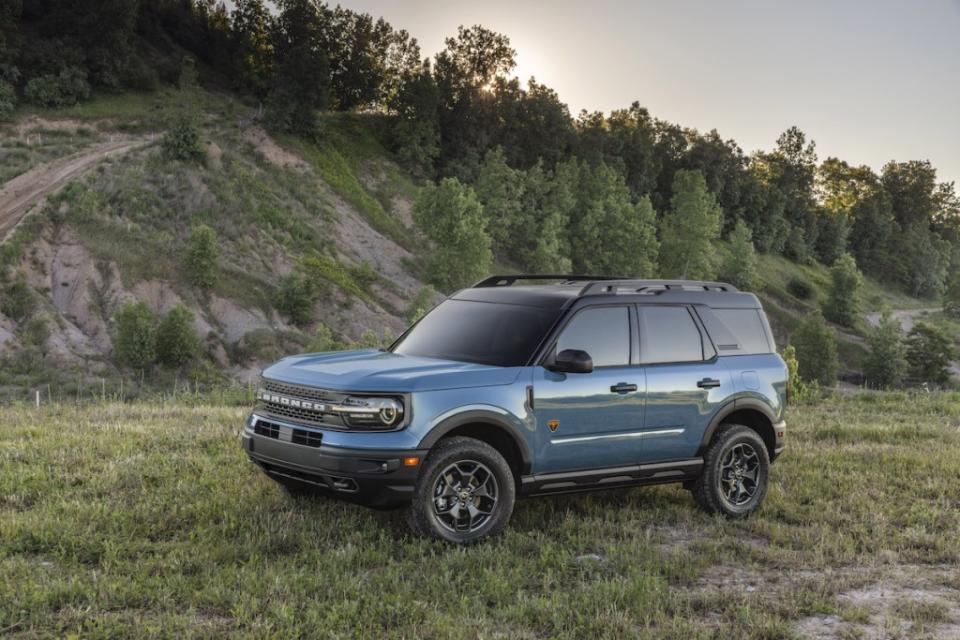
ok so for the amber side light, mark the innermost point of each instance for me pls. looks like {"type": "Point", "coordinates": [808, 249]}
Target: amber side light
{"type": "Point", "coordinates": [411, 461]}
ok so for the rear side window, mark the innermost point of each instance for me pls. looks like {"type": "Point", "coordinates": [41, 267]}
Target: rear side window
{"type": "Point", "coordinates": [736, 331]}
{"type": "Point", "coordinates": [603, 332]}
{"type": "Point", "coordinates": [669, 334]}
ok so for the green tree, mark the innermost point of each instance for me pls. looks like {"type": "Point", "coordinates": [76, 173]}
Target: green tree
{"type": "Point", "coordinates": [294, 298]}
{"type": "Point", "coordinates": [816, 347]}
{"type": "Point", "coordinates": [177, 342]}
{"type": "Point", "coordinates": [843, 305]}
{"type": "Point", "coordinates": [135, 344]}
{"type": "Point", "coordinates": [203, 254]}
{"type": "Point", "coordinates": [18, 302]}
{"type": "Point", "coordinates": [886, 364]}
{"type": "Point", "coordinates": [798, 391]}
{"type": "Point", "coordinates": [450, 215]}
{"type": "Point", "coordinates": [500, 190]}
{"type": "Point", "coordinates": [740, 266]}
{"type": "Point", "coordinates": [415, 135]}
{"type": "Point", "coordinates": [549, 202]}
{"type": "Point", "coordinates": [689, 229]}
{"type": "Point", "coordinates": [951, 297]}
{"type": "Point", "coordinates": [421, 303]}
{"type": "Point", "coordinates": [182, 141]}
{"type": "Point", "coordinates": [8, 99]}
{"type": "Point", "coordinates": [930, 351]}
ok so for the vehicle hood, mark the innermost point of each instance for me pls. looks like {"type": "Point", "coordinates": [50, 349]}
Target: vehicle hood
{"type": "Point", "coordinates": [374, 370]}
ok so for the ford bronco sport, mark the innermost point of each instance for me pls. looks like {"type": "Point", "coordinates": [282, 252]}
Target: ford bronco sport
{"type": "Point", "coordinates": [534, 385]}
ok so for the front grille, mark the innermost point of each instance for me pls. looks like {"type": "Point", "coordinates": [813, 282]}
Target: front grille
{"type": "Point", "coordinates": [300, 414]}
{"type": "Point", "coordinates": [298, 436]}
{"type": "Point", "coordinates": [307, 393]}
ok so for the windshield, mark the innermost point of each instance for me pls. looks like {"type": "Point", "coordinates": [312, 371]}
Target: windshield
{"type": "Point", "coordinates": [504, 335]}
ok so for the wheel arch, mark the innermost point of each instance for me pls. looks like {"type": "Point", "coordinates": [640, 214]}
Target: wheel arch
{"type": "Point", "coordinates": [488, 427]}
{"type": "Point", "coordinates": [750, 413]}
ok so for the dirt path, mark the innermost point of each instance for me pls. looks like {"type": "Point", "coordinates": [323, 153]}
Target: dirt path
{"type": "Point", "coordinates": [906, 317]}
{"type": "Point", "coordinates": [21, 194]}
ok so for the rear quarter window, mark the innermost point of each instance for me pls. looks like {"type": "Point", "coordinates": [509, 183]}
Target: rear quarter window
{"type": "Point", "coordinates": [736, 331]}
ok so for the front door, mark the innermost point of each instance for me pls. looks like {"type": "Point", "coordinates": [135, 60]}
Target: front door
{"type": "Point", "coordinates": [686, 382]}
{"type": "Point", "coordinates": [590, 420]}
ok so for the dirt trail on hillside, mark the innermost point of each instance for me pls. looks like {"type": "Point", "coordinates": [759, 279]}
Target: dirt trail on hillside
{"type": "Point", "coordinates": [21, 194]}
{"type": "Point", "coordinates": [906, 317]}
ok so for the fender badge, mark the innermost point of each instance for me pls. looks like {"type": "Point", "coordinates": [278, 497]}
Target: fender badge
{"type": "Point", "coordinates": [553, 425]}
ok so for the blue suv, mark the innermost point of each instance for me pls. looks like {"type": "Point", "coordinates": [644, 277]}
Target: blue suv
{"type": "Point", "coordinates": [534, 385]}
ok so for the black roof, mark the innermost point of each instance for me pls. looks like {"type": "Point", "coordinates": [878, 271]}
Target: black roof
{"type": "Point", "coordinates": [560, 291]}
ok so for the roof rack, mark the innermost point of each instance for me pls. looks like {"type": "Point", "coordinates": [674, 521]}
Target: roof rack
{"type": "Point", "coordinates": [507, 280]}
{"type": "Point", "coordinates": [654, 287]}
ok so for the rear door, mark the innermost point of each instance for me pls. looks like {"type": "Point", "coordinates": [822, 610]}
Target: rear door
{"type": "Point", "coordinates": [590, 420]}
{"type": "Point", "coordinates": [686, 382]}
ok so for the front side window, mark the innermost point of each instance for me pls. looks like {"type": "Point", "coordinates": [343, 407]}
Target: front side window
{"type": "Point", "coordinates": [603, 332]}
{"type": "Point", "coordinates": [669, 334]}
{"type": "Point", "coordinates": [504, 335]}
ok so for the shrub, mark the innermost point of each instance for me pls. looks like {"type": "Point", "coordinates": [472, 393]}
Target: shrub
{"type": "Point", "coordinates": [182, 142]}
{"type": "Point", "coordinates": [323, 340]}
{"type": "Point", "coordinates": [886, 365]}
{"type": "Point", "coordinates": [800, 288]}
{"type": "Point", "coordinates": [65, 89]}
{"type": "Point", "coordinates": [929, 353]}
{"type": "Point", "coordinates": [843, 306]}
{"type": "Point", "coordinates": [421, 303]}
{"type": "Point", "coordinates": [740, 266]}
{"type": "Point", "coordinates": [202, 256]}
{"type": "Point", "coordinates": [294, 299]}
{"type": "Point", "coordinates": [36, 333]}
{"type": "Point", "coordinates": [136, 340]}
{"type": "Point", "coordinates": [8, 100]}
{"type": "Point", "coordinates": [816, 347]}
{"type": "Point", "coordinates": [18, 301]}
{"type": "Point", "coordinates": [177, 342]}
{"type": "Point", "coordinates": [798, 391]}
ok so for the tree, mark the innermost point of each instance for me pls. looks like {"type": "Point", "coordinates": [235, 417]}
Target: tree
{"type": "Point", "coordinates": [549, 201]}
{"type": "Point", "coordinates": [177, 342]}
{"type": "Point", "coordinates": [250, 27]}
{"type": "Point", "coordinates": [450, 215]}
{"type": "Point", "coordinates": [416, 132]}
{"type": "Point", "coordinates": [843, 305]}
{"type": "Point", "coordinates": [294, 298]}
{"type": "Point", "coordinates": [421, 303]}
{"type": "Point", "coordinates": [18, 302]}
{"type": "Point", "coordinates": [182, 141]}
{"type": "Point", "coordinates": [500, 190]}
{"type": "Point", "coordinates": [886, 364]}
{"type": "Point", "coordinates": [930, 351]}
{"type": "Point", "coordinates": [203, 253]}
{"type": "Point", "coordinates": [136, 339]}
{"type": "Point", "coordinates": [951, 297]}
{"type": "Point", "coordinates": [740, 267]}
{"type": "Point", "coordinates": [816, 347]}
{"type": "Point", "coordinates": [689, 229]}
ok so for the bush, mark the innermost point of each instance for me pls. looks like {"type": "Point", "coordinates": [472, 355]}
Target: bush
{"type": "Point", "coordinates": [18, 302]}
{"type": "Point", "coordinates": [177, 342]}
{"type": "Point", "coordinates": [8, 100]}
{"type": "Point", "coordinates": [36, 333]}
{"type": "Point", "coordinates": [816, 347]}
{"type": "Point", "coordinates": [65, 89]}
{"type": "Point", "coordinates": [182, 142]}
{"type": "Point", "coordinates": [929, 353]}
{"type": "Point", "coordinates": [886, 365]}
{"type": "Point", "coordinates": [136, 340]}
{"type": "Point", "coordinates": [323, 340]}
{"type": "Point", "coordinates": [740, 266]}
{"type": "Point", "coordinates": [843, 306]}
{"type": "Point", "coordinates": [421, 303]}
{"type": "Point", "coordinates": [800, 288]}
{"type": "Point", "coordinates": [294, 299]}
{"type": "Point", "coordinates": [798, 391]}
{"type": "Point", "coordinates": [202, 256]}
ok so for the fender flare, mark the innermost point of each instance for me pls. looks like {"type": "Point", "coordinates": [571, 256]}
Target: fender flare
{"type": "Point", "coordinates": [737, 404]}
{"type": "Point", "coordinates": [479, 416]}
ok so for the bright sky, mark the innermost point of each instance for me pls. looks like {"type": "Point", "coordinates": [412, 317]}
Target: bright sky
{"type": "Point", "coordinates": [869, 80]}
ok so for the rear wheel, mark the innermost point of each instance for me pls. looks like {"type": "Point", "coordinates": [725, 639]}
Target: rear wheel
{"type": "Point", "coordinates": [465, 492]}
{"type": "Point", "coordinates": [736, 470]}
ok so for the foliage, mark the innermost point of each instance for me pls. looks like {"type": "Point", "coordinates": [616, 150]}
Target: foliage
{"type": "Point", "coordinates": [740, 266]}
{"type": "Point", "coordinates": [182, 142]}
{"type": "Point", "coordinates": [689, 228]}
{"type": "Point", "coordinates": [294, 298]}
{"type": "Point", "coordinates": [203, 254]}
{"type": "Point", "coordinates": [18, 302]}
{"type": "Point", "coordinates": [816, 350]}
{"type": "Point", "coordinates": [886, 364]}
{"type": "Point", "coordinates": [64, 89]}
{"type": "Point", "coordinates": [843, 305]}
{"type": "Point", "coordinates": [177, 341]}
{"type": "Point", "coordinates": [323, 340]}
{"type": "Point", "coordinates": [798, 391]}
{"type": "Point", "coordinates": [452, 218]}
{"type": "Point", "coordinates": [135, 343]}
{"type": "Point", "coordinates": [800, 288]}
{"type": "Point", "coordinates": [930, 350]}
{"type": "Point", "coordinates": [421, 303]}
{"type": "Point", "coordinates": [8, 100]}
{"type": "Point", "coordinates": [951, 297]}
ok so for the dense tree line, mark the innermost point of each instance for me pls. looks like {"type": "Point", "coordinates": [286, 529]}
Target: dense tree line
{"type": "Point", "coordinates": [600, 192]}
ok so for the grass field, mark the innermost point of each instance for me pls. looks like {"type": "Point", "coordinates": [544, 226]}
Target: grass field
{"type": "Point", "coordinates": [146, 520]}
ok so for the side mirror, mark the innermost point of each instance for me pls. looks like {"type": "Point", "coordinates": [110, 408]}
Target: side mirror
{"type": "Point", "coordinates": [572, 361]}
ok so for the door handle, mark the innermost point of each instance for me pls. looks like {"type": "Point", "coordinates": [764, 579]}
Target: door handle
{"type": "Point", "coordinates": [623, 387]}
{"type": "Point", "coordinates": [708, 383]}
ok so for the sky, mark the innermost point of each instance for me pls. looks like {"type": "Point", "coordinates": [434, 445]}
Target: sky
{"type": "Point", "coordinates": [869, 80]}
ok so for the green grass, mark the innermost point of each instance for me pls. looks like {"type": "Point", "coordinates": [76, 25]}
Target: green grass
{"type": "Point", "coordinates": [146, 520]}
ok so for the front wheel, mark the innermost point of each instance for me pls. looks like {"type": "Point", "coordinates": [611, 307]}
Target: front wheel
{"type": "Point", "coordinates": [465, 492]}
{"type": "Point", "coordinates": [736, 470]}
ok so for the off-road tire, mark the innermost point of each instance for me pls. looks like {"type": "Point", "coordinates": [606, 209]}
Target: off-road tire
{"type": "Point", "coordinates": [711, 489]}
{"type": "Point", "coordinates": [422, 516]}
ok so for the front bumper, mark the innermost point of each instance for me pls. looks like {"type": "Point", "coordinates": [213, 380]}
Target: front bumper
{"type": "Point", "coordinates": [780, 433]}
{"type": "Point", "coordinates": [372, 477]}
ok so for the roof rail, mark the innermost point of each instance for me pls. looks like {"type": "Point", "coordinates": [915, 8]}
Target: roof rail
{"type": "Point", "coordinates": [654, 286]}
{"type": "Point", "coordinates": [507, 280]}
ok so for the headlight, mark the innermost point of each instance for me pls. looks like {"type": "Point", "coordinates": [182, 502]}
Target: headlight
{"type": "Point", "coordinates": [371, 412]}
